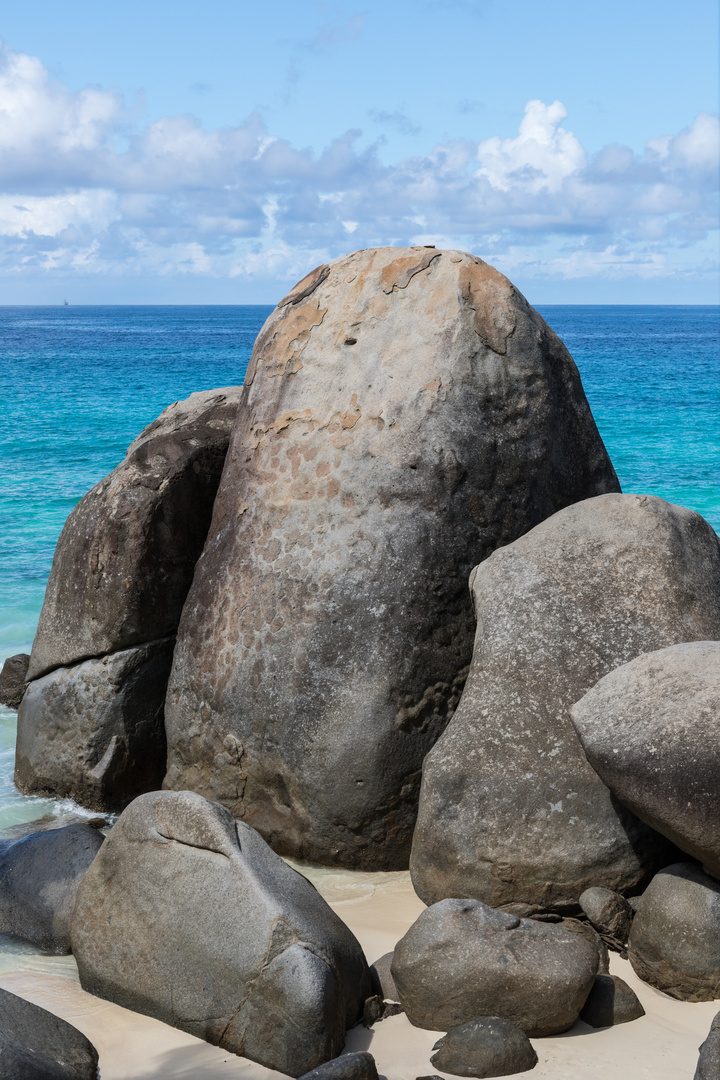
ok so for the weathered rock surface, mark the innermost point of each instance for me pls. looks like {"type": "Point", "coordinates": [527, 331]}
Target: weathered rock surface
{"type": "Point", "coordinates": [675, 938]}
{"type": "Point", "coordinates": [39, 879]}
{"type": "Point", "coordinates": [12, 679]}
{"type": "Point", "coordinates": [461, 960]}
{"type": "Point", "coordinates": [708, 1066]}
{"type": "Point", "coordinates": [608, 911]}
{"type": "Point", "coordinates": [650, 730]}
{"type": "Point", "coordinates": [383, 982]}
{"type": "Point", "coordinates": [359, 1066]}
{"type": "Point", "coordinates": [489, 1046]}
{"type": "Point", "coordinates": [35, 1045]}
{"type": "Point", "coordinates": [125, 558]}
{"type": "Point", "coordinates": [405, 412]}
{"type": "Point", "coordinates": [611, 1001]}
{"type": "Point", "coordinates": [576, 926]}
{"type": "Point", "coordinates": [247, 955]}
{"type": "Point", "coordinates": [94, 732]}
{"type": "Point", "coordinates": [510, 809]}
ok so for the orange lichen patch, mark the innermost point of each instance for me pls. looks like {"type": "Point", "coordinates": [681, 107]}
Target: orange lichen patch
{"type": "Point", "coordinates": [434, 385]}
{"type": "Point", "coordinates": [322, 468]}
{"type": "Point", "coordinates": [280, 352]}
{"type": "Point", "coordinates": [491, 296]}
{"type": "Point", "coordinates": [399, 273]}
{"type": "Point", "coordinates": [350, 417]}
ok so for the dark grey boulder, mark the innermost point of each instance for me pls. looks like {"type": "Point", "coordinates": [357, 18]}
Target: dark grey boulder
{"type": "Point", "coordinates": [125, 558]}
{"type": "Point", "coordinates": [359, 1066]}
{"type": "Point", "coordinates": [383, 982]}
{"type": "Point", "coordinates": [13, 678]}
{"type": "Point", "coordinates": [35, 1045]}
{"type": "Point", "coordinates": [650, 731]}
{"type": "Point", "coordinates": [675, 938]}
{"type": "Point", "coordinates": [510, 809]}
{"type": "Point", "coordinates": [462, 959]}
{"type": "Point", "coordinates": [611, 1001]}
{"type": "Point", "coordinates": [94, 732]}
{"type": "Point", "coordinates": [405, 412]}
{"type": "Point", "coordinates": [39, 879]}
{"type": "Point", "coordinates": [708, 1066]}
{"type": "Point", "coordinates": [190, 917]}
{"type": "Point", "coordinates": [488, 1046]}
{"type": "Point", "coordinates": [608, 911]}
{"type": "Point", "coordinates": [577, 926]}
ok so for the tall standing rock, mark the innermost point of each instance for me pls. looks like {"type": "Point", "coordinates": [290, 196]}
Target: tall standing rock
{"type": "Point", "coordinates": [404, 413]}
{"type": "Point", "coordinates": [510, 809]}
{"type": "Point", "coordinates": [90, 724]}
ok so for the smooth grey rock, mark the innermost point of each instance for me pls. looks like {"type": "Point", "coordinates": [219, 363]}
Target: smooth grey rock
{"type": "Point", "coordinates": [576, 926]}
{"type": "Point", "coordinates": [608, 911]}
{"type": "Point", "coordinates": [633, 901]}
{"type": "Point", "coordinates": [125, 558]}
{"type": "Point", "coordinates": [462, 959]}
{"type": "Point", "coordinates": [510, 808]}
{"type": "Point", "coordinates": [39, 879]}
{"type": "Point", "coordinates": [405, 412]}
{"type": "Point", "coordinates": [360, 1066]}
{"type": "Point", "coordinates": [383, 982]}
{"type": "Point", "coordinates": [190, 917]}
{"type": "Point", "coordinates": [650, 731]}
{"type": "Point", "coordinates": [675, 938]}
{"type": "Point", "coordinates": [488, 1046]}
{"type": "Point", "coordinates": [12, 679]}
{"type": "Point", "coordinates": [708, 1066]}
{"type": "Point", "coordinates": [35, 1045]}
{"type": "Point", "coordinates": [611, 1001]}
{"type": "Point", "coordinates": [94, 732]}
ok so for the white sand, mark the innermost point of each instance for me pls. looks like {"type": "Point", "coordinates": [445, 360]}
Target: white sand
{"type": "Point", "coordinates": [379, 908]}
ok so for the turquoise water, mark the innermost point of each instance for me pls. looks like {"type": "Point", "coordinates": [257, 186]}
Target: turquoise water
{"type": "Point", "coordinates": [78, 384]}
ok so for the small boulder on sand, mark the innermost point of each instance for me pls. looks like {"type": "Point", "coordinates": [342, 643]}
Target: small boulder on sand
{"type": "Point", "coordinates": [360, 1066]}
{"type": "Point", "coordinates": [675, 938]}
{"type": "Point", "coordinates": [489, 1046]}
{"type": "Point", "coordinates": [462, 959]}
{"type": "Point", "coordinates": [190, 917]}
{"type": "Point", "coordinates": [708, 1066]}
{"type": "Point", "coordinates": [611, 1001]}
{"type": "Point", "coordinates": [36, 1045]}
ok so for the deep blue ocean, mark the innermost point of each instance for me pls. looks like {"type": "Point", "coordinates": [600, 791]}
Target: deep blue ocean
{"type": "Point", "coordinates": [79, 383]}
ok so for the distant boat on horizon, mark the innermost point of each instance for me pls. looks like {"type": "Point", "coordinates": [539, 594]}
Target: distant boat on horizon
{"type": "Point", "coordinates": [65, 303]}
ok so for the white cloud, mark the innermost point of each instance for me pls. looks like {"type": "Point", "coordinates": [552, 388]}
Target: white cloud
{"type": "Point", "coordinates": [241, 202]}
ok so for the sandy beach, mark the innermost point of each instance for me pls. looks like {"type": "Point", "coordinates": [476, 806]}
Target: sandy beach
{"type": "Point", "coordinates": [379, 908]}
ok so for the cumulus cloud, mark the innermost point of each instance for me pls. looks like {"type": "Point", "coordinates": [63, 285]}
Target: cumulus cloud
{"type": "Point", "coordinates": [84, 186]}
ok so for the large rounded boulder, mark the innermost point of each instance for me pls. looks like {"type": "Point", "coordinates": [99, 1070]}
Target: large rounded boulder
{"type": "Point", "coordinates": [190, 917]}
{"type": "Point", "coordinates": [510, 808]}
{"type": "Point", "coordinates": [405, 412]}
{"type": "Point", "coordinates": [651, 731]}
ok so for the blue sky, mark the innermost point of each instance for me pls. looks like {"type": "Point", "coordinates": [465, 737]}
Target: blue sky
{"type": "Point", "coordinates": [177, 152]}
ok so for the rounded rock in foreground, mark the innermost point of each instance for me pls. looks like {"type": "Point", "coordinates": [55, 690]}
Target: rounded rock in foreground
{"type": "Point", "coordinates": [650, 730]}
{"type": "Point", "coordinates": [360, 1066]}
{"type": "Point", "coordinates": [489, 1046]}
{"type": "Point", "coordinates": [13, 680]}
{"type": "Point", "coordinates": [36, 1045]}
{"type": "Point", "coordinates": [708, 1066]}
{"type": "Point", "coordinates": [674, 943]}
{"type": "Point", "coordinates": [610, 1002]}
{"type": "Point", "coordinates": [462, 959]}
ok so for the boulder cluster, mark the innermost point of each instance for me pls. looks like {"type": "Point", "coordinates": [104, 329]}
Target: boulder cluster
{"type": "Point", "coordinates": [257, 640]}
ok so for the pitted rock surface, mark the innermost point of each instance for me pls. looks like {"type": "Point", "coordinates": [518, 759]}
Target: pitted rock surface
{"type": "Point", "coordinates": [405, 412]}
{"type": "Point", "coordinates": [190, 917]}
{"type": "Point", "coordinates": [510, 808]}
{"type": "Point", "coordinates": [94, 732]}
{"type": "Point", "coordinates": [650, 731]}
{"type": "Point", "coordinates": [125, 558]}
{"type": "Point", "coordinates": [36, 1045]}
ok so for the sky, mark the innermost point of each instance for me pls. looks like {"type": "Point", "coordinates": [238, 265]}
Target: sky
{"type": "Point", "coordinates": [215, 152]}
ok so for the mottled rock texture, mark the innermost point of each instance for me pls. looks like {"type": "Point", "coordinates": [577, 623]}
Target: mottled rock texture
{"type": "Point", "coordinates": [510, 808]}
{"type": "Point", "coordinates": [125, 558]}
{"type": "Point", "coordinates": [608, 911]}
{"type": "Point", "coordinates": [404, 413]}
{"type": "Point", "coordinates": [611, 1001]}
{"type": "Point", "coordinates": [675, 938]}
{"type": "Point", "coordinates": [35, 1045]}
{"type": "Point", "coordinates": [489, 1046]}
{"type": "Point", "coordinates": [708, 1066]}
{"type": "Point", "coordinates": [462, 959]}
{"type": "Point", "coordinates": [39, 880]}
{"type": "Point", "coordinates": [191, 918]}
{"type": "Point", "coordinates": [360, 1066]}
{"type": "Point", "coordinates": [94, 732]}
{"type": "Point", "coordinates": [12, 679]}
{"type": "Point", "coordinates": [383, 982]}
{"type": "Point", "coordinates": [651, 731]}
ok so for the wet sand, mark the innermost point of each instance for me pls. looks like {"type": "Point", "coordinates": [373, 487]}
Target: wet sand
{"type": "Point", "coordinates": [662, 1045]}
